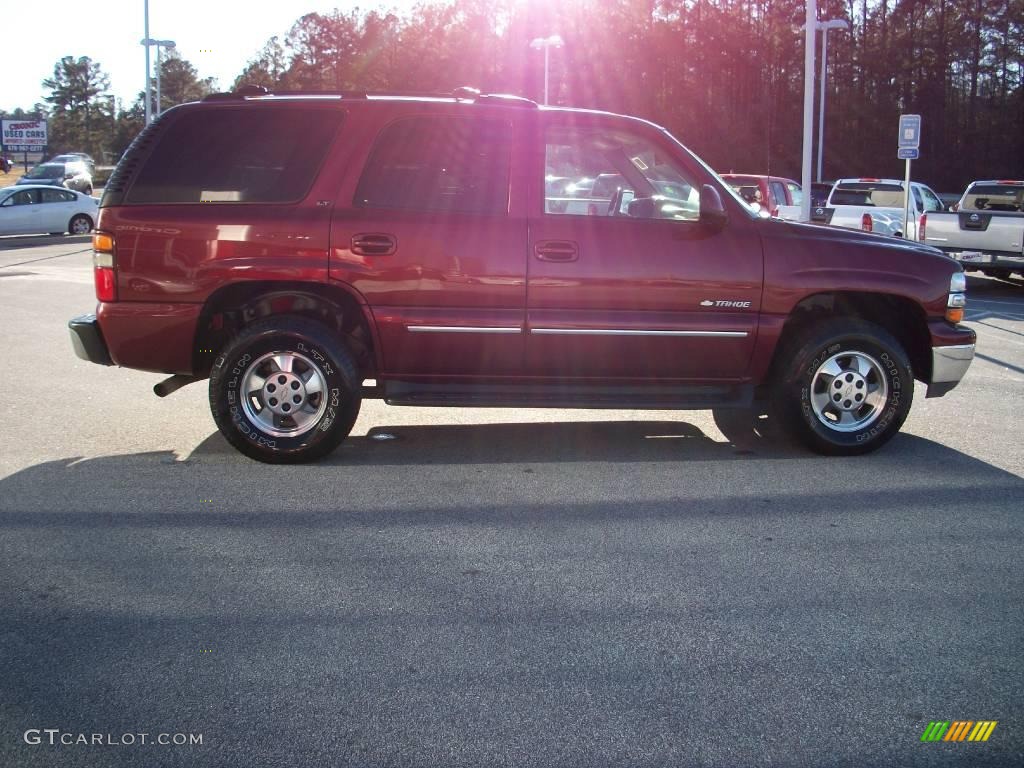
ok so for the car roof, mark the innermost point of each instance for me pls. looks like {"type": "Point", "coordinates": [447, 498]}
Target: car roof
{"type": "Point", "coordinates": [257, 95]}
{"type": "Point", "coordinates": [22, 187]}
{"type": "Point", "coordinates": [757, 176]}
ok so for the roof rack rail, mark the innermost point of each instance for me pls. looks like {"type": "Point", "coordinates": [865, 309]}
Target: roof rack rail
{"type": "Point", "coordinates": [464, 93]}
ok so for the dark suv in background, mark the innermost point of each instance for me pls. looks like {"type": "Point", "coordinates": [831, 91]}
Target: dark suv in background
{"type": "Point", "coordinates": [306, 251]}
{"type": "Point", "coordinates": [73, 174]}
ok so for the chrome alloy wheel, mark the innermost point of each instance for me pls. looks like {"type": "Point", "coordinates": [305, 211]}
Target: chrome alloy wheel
{"type": "Point", "coordinates": [283, 394]}
{"type": "Point", "coordinates": [80, 226]}
{"type": "Point", "coordinates": [849, 391]}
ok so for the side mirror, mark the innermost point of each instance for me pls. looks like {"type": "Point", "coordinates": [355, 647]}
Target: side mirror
{"type": "Point", "coordinates": [712, 211]}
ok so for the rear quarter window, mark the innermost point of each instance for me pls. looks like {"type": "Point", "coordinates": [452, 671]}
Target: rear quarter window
{"type": "Point", "coordinates": [237, 156]}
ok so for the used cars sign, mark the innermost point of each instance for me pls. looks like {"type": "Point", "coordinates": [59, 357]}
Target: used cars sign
{"type": "Point", "coordinates": [24, 135]}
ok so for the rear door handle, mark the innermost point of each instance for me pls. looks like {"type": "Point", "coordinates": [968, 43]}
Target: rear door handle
{"type": "Point", "coordinates": [556, 250]}
{"type": "Point", "coordinates": [374, 244]}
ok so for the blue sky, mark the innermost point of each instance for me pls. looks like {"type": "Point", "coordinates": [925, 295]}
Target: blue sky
{"type": "Point", "coordinates": [217, 36]}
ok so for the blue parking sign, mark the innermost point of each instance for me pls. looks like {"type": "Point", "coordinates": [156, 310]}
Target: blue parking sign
{"type": "Point", "coordinates": [910, 131]}
{"type": "Point", "coordinates": [908, 153]}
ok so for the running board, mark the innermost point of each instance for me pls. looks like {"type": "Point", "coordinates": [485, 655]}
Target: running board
{"type": "Point", "coordinates": [653, 397]}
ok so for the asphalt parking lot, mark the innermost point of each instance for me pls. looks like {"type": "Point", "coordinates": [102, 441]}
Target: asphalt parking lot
{"type": "Point", "coordinates": [498, 587]}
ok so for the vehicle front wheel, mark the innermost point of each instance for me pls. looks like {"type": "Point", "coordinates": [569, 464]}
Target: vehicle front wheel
{"type": "Point", "coordinates": [845, 387]}
{"type": "Point", "coordinates": [285, 391]}
{"type": "Point", "coordinates": [80, 225]}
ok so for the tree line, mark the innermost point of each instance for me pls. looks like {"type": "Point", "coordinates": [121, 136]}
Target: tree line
{"type": "Point", "coordinates": [725, 76]}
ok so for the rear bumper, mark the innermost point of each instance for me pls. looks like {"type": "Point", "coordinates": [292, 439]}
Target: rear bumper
{"type": "Point", "coordinates": [987, 259]}
{"type": "Point", "coordinates": [87, 340]}
{"type": "Point", "coordinates": [949, 365]}
{"type": "Point", "coordinates": [149, 337]}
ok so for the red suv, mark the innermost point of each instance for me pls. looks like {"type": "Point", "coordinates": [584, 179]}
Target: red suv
{"type": "Point", "coordinates": [306, 251]}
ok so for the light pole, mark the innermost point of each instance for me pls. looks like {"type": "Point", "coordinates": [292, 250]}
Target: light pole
{"type": "Point", "coordinates": [825, 26]}
{"type": "Point", "coordinates": [160, 44]}
{"type": "Point", "coordinates": [145, 8]}
{"type": "Point", "coordinates": [811, 13]}
{"type": "Point", "coordinates": [547, 43]}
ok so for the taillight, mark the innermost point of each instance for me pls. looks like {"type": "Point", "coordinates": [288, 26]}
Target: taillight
{"type": "Point", "coordinates": [104, 275]}
{"type": "Point", "coordinates": [922, 226]}
{"type": "Point", "coordinates": [866, 223]}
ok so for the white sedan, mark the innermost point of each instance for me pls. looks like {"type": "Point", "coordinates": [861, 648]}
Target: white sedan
{"type": "Point", "coordinates": [32, 208]}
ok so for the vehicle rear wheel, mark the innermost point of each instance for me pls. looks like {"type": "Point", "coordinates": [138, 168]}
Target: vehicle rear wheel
{"type": "Point", "coordinates": [80, 225]}
{"type": "Point", "coordinates": [844, 388]}
{"type": "Point", "coordinates": [285, 391]}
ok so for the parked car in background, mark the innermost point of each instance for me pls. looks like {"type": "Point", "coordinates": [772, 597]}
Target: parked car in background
{"type": "Point", "coordinates": [403, 249]}
{"type": "Point", "coordinates": [875, 205]}
{"type": "Point", "coordinates": [72, 157]}
{"type": "Point", "coordinates": [986, 230]}
{"type": "Point", "coordinates": [777, 196]}
{"type": "Point", "coordinates": [820, 191]}
{"type": "Point", "coordinates": [73, 175]}
{"type": "Point", "coordinates": [37, 208]}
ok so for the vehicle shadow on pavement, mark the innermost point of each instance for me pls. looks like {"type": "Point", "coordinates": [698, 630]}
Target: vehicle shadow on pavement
{"type": "Point", "coordinates": [558, 442]}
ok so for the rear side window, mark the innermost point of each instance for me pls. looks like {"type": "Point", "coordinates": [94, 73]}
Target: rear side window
{"type": "Point", "coordinates": [452, 164]}
{"type": "Point", "coordinates": [237, 156]}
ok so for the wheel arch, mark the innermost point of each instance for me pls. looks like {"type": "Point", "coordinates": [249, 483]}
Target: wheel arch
{"type": "Point", "coordinates": [233, 307]}
{"type": "Point", "coordinates": [901, 316]}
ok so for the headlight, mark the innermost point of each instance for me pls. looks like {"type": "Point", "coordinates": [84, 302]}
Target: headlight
{"type": "Point", "coordinates": [957, 298]}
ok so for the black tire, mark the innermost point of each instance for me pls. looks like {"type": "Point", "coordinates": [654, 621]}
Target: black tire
{"type": "Point", "coordinates": [865, 410]}
{"type": "Point", "coordinates": [82, 221]}
{"type": "Point", "coordinates": [315, 351]}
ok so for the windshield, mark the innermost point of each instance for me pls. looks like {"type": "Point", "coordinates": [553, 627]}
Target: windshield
{"type": "Point", "coordinates": [46, 172]}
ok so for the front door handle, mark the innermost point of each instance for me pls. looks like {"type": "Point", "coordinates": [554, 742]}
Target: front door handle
{"type": "Point", "coordinates": [374, 244]}
{"type": "Point", "coordinates": [556, 250]}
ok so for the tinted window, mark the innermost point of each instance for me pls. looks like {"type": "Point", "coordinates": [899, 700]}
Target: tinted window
{"type": "Point", "coordinates": [779, 193]}
{"type": "Point", "coordinates": [55, 196]}
{"type": "Point", "coordinates": [27, 197]}
{"type": "Point", "coordinates": [46, 171]}
{"type": "Point", "coordinates": [237, 155]}
{"type": "Point", "coordinates": [439, 164]}
{"type": "Point", "coordinates": [599, 172]}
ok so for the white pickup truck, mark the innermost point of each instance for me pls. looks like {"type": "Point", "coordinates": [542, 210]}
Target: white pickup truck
{"type": "Point", "coordinates": [876, 205]}
{"type": "Point", "coordinates": [986, 230]}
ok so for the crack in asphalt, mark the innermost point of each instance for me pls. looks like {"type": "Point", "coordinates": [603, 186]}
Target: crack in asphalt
{"type": "Point", "coordinates": [44, 258]}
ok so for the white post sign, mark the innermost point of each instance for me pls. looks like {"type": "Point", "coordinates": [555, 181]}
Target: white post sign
{"type": "Point", "coordinates": [908, 148]}
{"type": "Point", "coordinates": [24, 135]}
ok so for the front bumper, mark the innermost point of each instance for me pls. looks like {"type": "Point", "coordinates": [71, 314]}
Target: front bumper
{"type": "Point", "coordinates": [87, 340]}
{"type": "Point", "coordinates": [949, 364]}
